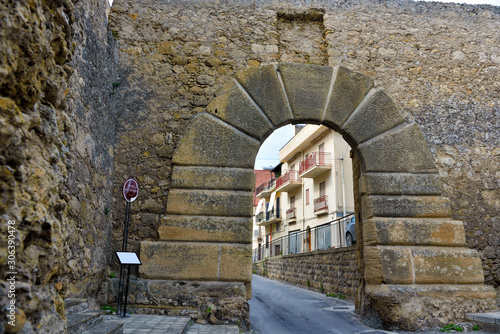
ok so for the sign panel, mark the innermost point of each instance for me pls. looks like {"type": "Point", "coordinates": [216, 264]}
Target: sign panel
{"type": "Point", "coordinates": [128, 258]}
{"type": "Point", "coordinates": [130, 190]}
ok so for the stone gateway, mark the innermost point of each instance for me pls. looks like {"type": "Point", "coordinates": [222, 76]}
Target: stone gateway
{"type": "Point", "coordinates": [179, 95]}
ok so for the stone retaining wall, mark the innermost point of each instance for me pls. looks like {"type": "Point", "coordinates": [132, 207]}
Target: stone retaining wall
{"type": "Point", "coordinates": [327, 271]}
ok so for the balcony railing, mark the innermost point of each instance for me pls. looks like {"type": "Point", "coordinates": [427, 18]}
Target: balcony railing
{"type": "Point", "coordinates": [291, 214]}
{"type": "Point", "coordinates": [269, 217]}
{"type": "Point", "coordinates": [329, 235]}
{"type": "Point", "coordinates": [291, 175]}
{"type": "Point", "coordinates": [265, 187]}
{"type": "Point", "coordinates": [321, 203]}
{"type": "Point", "coordinates": [288, 181]}
{"type": "Point", "coordinates": [316, 160]}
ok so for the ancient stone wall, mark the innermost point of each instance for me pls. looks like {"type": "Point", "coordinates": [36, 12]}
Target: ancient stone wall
{"type": "Point", "coordinates": [327, 271]}
{"type": "Point", "coordinates": [56, 163]}
{"type": "Point", "coordinates": [438, 62]}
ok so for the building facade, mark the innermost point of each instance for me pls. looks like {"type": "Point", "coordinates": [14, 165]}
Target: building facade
{"type": "Point", "coordinates": [302, 207]}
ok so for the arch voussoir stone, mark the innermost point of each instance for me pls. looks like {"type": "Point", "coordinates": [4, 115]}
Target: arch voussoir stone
{"type": "Point", "coordinates": [209, 141]}
{"type": "Point", "coordinates": [264, 86]}
{"type": "Point", "coordinates": [237, 109]}
{"type": "Point", "coordinates": [374, 116]}
{"type": "Point", "coordinates": [402, 149]}
{"type": "Point", "coordinates": [349, 90]}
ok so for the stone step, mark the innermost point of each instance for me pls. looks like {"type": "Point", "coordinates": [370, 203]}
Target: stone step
{"type": "Point", "coordinates": [490, 319]}
{"type": "Point", "coordinates": [80, 322]}
{"type": "Point", "coordinates": [106, 327]}
{"type": "Point", "coordinates": [75, 305]}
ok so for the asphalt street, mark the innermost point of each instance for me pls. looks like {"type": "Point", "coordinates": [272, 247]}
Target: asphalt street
{"type": "Point", "coordinates": [278, 308]}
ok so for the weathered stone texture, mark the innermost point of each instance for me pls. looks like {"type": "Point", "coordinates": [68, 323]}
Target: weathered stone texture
{"type": "Point", "coordinates": [56, 165]}
{"type": "Point", "coordinates": [326, 271]}
{"type": "Point", "coordinates": [208, 302]}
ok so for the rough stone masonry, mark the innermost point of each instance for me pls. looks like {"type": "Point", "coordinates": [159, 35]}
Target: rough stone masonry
{"type": "Point", "coordinates": [85, 106]}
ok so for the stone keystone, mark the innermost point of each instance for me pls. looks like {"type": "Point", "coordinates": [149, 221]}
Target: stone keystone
{"type": "Point", "coordinates": [307, 88]}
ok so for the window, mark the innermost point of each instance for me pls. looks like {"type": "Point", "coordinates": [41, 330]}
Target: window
{"type": "Point", "coordinates": [292, 167]}
{"type": "Point", "coordinates": [292, 202]}
{"type": "Point", "coordinates": [267, 240]}
{"type": "Point", "coordinates": [277, 227]}
{"type": "Point", "coordinates": [277, 207]}
{"type": "Point", "coordinates": [322, 189]}
{"type": "Point", "coordinates": [307, 196]}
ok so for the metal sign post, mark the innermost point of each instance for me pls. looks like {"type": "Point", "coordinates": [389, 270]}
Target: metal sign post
{"type": "Point", "coordinates": [126, 259]}
{"type": "Point", "coordinates": [130, 193]}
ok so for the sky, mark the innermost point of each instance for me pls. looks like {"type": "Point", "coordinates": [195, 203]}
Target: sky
{"type": "Point", "coordinates": [268, 155]}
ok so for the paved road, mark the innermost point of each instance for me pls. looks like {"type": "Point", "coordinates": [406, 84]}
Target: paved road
{"type": "Point", "coordinates": [278, 308]}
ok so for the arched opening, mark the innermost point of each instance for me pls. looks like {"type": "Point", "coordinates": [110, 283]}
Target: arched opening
{"type": "Point", "coordinates": [405, 227]}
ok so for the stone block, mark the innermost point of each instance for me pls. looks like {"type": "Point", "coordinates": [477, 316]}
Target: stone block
{"type": "Point", "coordinates": [235, 263]}
{"type": "Point", "coordinates": [210, 202]}
{"type": "Point", "coordinates": [375, 115]}
{"type": "Point", "coordinates": [205, 228]}
{"type": "Point", "coordinates": [447, 266]}
{"type": "Point", "coordinates": [417, 307]}
{"type": "Point", "coordinates": [396, 266]}
{"type": "Point", "coordinates": [201, 177]}
{"type": "Point", "coordinates": [402, 149]}
{"type": "Point", "coordinates": [237, 109]}
{"type": "Point", "coordinates": [418, 232]}
{"type": "Point", "coordinates": [373, 265]}
{"type": "Point", "coordinates": [400, 184]}
{"type": "Point", "coordinates": [265, 88]}
{"type": "Point", "coordinates": [219, 145]}
{"type": "Point", "coordinates": [179, 261]}
{"type": "Point", "coordinates": [348, 91]}
{"type": "Point", "coordinates": [406, 206]}
{"type": "Point", "coordinates": [307, 88]}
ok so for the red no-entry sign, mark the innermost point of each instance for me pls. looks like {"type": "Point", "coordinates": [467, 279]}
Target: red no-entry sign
{"type": "Point", "coordinates": [130, 190]}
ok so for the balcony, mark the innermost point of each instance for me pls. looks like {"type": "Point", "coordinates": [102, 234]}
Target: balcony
{"type": "Point", "coordinates": [321, 205]}
{"type": "Point", "coordinates": [267, 219]}
{"type": "Point", "coordinates": [291, 215]}
{"type": "Point", "coordinates": [288, 181]}
{"type": "Point", "coordinates": [315, 164]}
{"type": "Point", "coordinates": [265, 189]}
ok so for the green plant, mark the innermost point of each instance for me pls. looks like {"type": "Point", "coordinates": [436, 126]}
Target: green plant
{"type": "Point", "coordinates": [112, 275]}
{"type": "Point", "coordinates": [308, 283]}
{"type": "Point", "coordinates": [321, 286]}
{"type": "Point", "coordinates": [342, 296]}
{"type": "Point", "coordinates": [106, 211]}
{"type": "Point", "coordinates": [114, 33]}
{"type": "Point", "coordinates": [209, 310]}
{"type": "Point", "coordinates": [331, 294]}
{"type": "Point", "coordinates": [451, 327]}
{"type": "Point", "coordinates": [116, 85]}
{"type": "Point", "coordinates": [475, 328]}
{"type": "Point", "coordinates": [108, 308]}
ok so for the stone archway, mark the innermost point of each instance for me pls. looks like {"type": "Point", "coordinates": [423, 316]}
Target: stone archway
{"type": "Point", "coordinates": [417, 271]}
